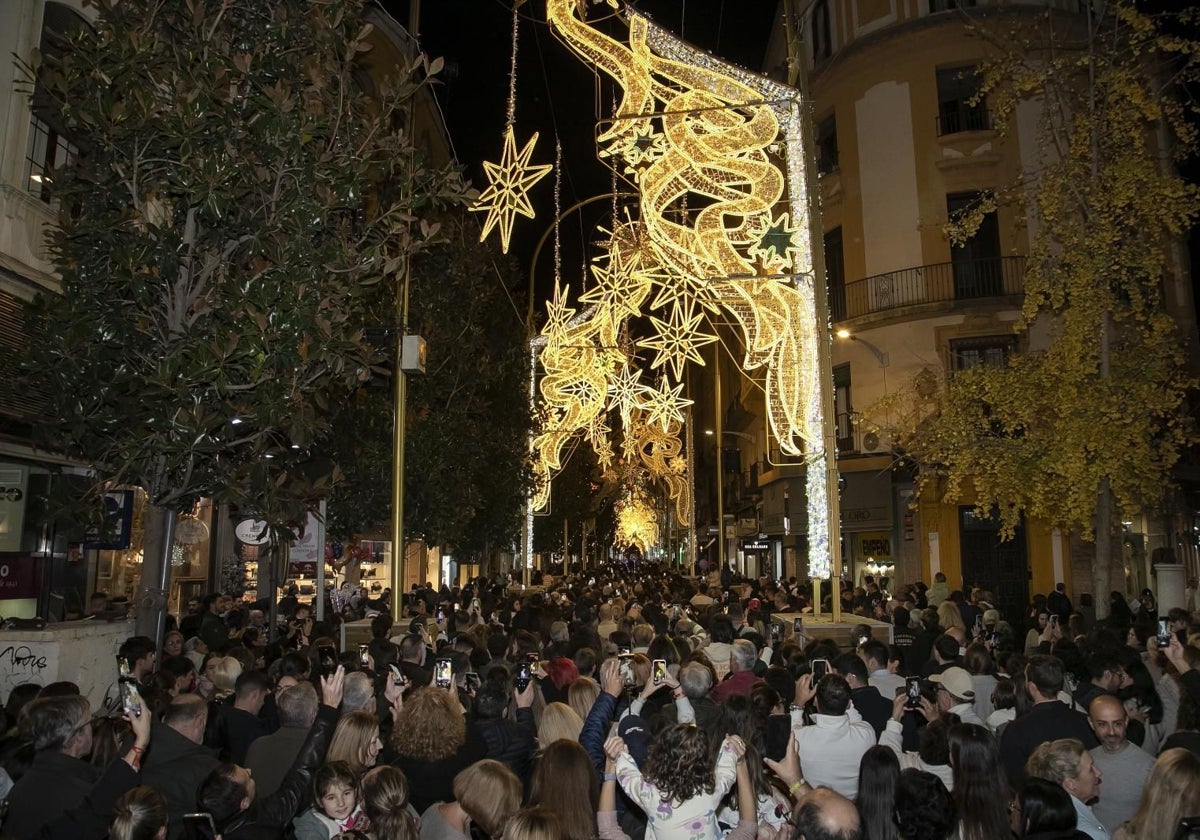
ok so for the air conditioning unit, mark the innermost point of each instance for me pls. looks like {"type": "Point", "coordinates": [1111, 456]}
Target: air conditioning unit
{"type": "Point", "coordinates": [870, 441]}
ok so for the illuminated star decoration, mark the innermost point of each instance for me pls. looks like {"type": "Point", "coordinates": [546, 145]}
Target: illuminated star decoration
{"type": "Point", "coordinates": [509, 183]}
{"type": "Point", "coordinates": [778, 245]}
{"type": "Point", "coordinates": [679, 340]}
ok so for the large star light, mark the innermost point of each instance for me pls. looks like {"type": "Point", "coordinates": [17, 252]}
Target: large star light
{"type": "Point", "coordinates": [665, 404]}
{"type": "Point", "coordinates": [678, 340]}
{"type": "Point", "coordinates": [509, 183]}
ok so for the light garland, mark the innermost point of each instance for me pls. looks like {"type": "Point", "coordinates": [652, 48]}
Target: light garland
{"type": "Point", "coordinates": [690, 125]}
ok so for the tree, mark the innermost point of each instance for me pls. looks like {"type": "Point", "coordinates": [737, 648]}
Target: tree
{"type": "Point", "coordinates": [1092, 416]}
{"type": "Point", "coordinates": [468, 415]}
{"type": "Point", "coordinates": [237, 198]}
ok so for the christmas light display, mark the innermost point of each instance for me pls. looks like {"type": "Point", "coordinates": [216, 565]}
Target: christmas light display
{"type": "Point", "coordinates": [694, 132]}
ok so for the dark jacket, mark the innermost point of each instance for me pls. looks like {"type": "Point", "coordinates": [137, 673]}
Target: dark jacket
{"type": "Point", "coordinates": [269, 758]}
{"type": "Point", "coordinates": [53, 784]}
{"type": "Point", "coordinates": [433, 781]}
{"type": "Point", "coordinates": [1044, 722]}
{"type": "Point", "coordinates": [512, 742]}
{"type": "Point", "coordinates": [214, 632]}
{"type": "Point", "coordinates": [238, 729]}
{"type": "Point", "coordinates": [270, 817]}
{"type": "Point", "coordinates": [873, 706]}
{"type": "Point", "coordinates": [176, 766]}
{"type": "Point", "coordinates": [91, 818]}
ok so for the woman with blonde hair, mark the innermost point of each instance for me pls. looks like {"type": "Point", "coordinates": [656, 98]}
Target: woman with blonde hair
{"type": "Point", "coordinates": [385, 801]}
{"type": "Point", "coordinates": [581, 696]}
{"type": "Point", "coordinates": [432, 743]}
{"type": "Point", "coordinates": [222, 672]}
{"type": "Point", "coordinates": [950, 616]}
{"type": "Point", "coordinates": [140, 814]}
{"type": "Point", "coordinates": [486, 794]}
{"type": "Point", "coordinates": [356, 741]}
{"type": "Point", "coordinates": [535, 824]}
{"type": "Point", "coordinates": [1171, 793]}
{"type": "Point", "coordinates": [559, 721]}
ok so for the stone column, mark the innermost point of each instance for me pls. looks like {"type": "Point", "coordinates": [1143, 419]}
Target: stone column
{"type": "Point", "coordinates": [1169, 585]}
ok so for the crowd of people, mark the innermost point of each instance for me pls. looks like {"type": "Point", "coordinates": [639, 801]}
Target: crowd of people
{"type": "Point", "coordinates": [627, 703]}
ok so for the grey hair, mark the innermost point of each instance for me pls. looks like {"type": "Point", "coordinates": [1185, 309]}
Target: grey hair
{"type": "Point", "coordinates": [1056, 761]}
{"type": "Point", "coordinates": [51, 722]}
{"type": "Point", "coordinates": [744, 653]}
{"type": "Point", "coordinates": [358, 693]}
{"type": "Point", "coordinates": [298, 705]}
{"type": "Point", "coordinates": [695, 680]}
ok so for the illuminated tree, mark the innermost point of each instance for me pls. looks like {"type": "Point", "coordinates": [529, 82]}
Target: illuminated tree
{"type": "Point", "coordinates": [1089, 421]}
{"type": "Point", "coordinates": [238, 197]}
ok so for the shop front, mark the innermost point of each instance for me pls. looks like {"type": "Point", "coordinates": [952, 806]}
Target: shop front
{"type": "Point", "coordinates": [868, 536]}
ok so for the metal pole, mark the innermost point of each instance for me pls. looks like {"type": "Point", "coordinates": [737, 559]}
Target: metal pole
{"type": "Point", "coordinates": [720, 464]}
{"type": "Point", "coordinates": [401, 395]}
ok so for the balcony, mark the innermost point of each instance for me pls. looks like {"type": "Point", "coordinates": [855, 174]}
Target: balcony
{"type": "Point", "coordinates": [948, 282]}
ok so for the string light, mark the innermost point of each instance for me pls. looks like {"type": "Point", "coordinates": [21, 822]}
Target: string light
{"type": "Point", "coordinates": [691, 130]}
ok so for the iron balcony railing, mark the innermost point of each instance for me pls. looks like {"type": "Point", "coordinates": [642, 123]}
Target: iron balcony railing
{"type": "Point", "coordinates": [938, 283]}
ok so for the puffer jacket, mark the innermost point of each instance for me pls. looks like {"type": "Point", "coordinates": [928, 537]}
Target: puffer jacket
{"type": "Point", "coordinates": [512, 742]}
{"type": "Point", "coordinates": [272, 817]}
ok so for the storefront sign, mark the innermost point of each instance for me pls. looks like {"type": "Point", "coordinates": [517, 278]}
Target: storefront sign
{"type": "Point", "coordinates": [118, 521]}
{"type": "Point", "coordinates": [756, 545]}
{"type": "Point", "coordinates": [20, 577]}
{"type": "Point", "coordinates": [307, 550]}
{"type": "Point", "coordinates": [876, 545]}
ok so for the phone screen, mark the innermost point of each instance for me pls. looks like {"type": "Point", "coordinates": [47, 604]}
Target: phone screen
{"type": "Point", "coordinates": [1054, 618]}
{"type": "Point", "coordinates": [820, 667]}
{"type": "Point", "coordinates": [473, 681]}
{"type": "Point", "coordinates": [912, 687]}
{"type": "Point", "coordinates": [443, 673]}
{"type": "Point", "coordinates": [122, 667]}
{"type": "Point", "coordinates": [627, 668]}
{"type": "Point", "coordinates": [659, 672]}
{"type": "Point", "coordinates": [797, 625]}
{"type": "Point", "coordinates": [398, 677]}
{"type": "Point", "coordinates": [475, 604]}
{"type": "Point", "coordinates": [524, 676]}
{"type": "Point", "coordinates": [1164, 632]}
{"type": "Point", "coordinates": [327, 656]}
{"type": "Point", "coordinates": [131, 699]}
{"type": "Point", "coordinates": [364, 658]}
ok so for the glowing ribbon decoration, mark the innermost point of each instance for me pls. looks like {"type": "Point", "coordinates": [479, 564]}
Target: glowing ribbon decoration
{"type": "Point", "coordinates": [690, 125]}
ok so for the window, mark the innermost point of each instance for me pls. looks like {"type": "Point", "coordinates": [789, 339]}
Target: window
{"type": "Point", "coordinates": [936, 6]}
{"type": "Point", "coordinates": [956, 87]}
{"type": "Point", "coordinates": [976, 264]}
{"type": "Point", "coordinates": [842, 410]}
{"type": "Point", "coordinates": [822, 41]}
{"type": "Point", "coordinates": [827, 147]}
{"type": "Point", "coordinates": [835, 274]}
{"type": "Point", "coordinates": [48, 148]}
{"type": "Point", "coordinates": [989, 350]}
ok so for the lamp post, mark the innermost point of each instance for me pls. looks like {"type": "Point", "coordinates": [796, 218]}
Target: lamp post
{"type": "Point", "coordinates": [880, 356]}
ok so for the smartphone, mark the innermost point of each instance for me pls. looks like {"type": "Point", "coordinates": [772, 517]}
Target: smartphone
{"type": "Point", "coordinates": [398, 677]}
{"type": "Point", "coordinates": [443, 673]}
{"type": "Point", "coordinates": [797, 625]}
{"type": "Point", "coordinates": [1164, 632]}
{"type": "Point", "coordinates": [1054, 619]}
{"type": "Point", "coordinates": [627, 668]}
{"type": "Point", "coordinates": [131, 700]}
{"type": "Point", "coordinates": [327, 659]}
{"type": "Point", "coordinates": [364, 658]}
{"type": "Point", "coordinates": [624, 650]}
{"type": "Point", "coordinates": [441, 615]}
{"type": "Point", "coordinates": [776, 631]}
{"type": "Point", "coordinates": [524, 676]}
{"type": "Point", "coordinates": [862, 640]}
{"type": "Point", "coordinates": [474, 605]}
{"type": "Point", "coordinates": [676, 610]}
{"type": "Point", "coordinates": [820, 667]}
{"type": "Point", "coordinates": [912, 689]}
{"type": "Point", "coordinates": [658, 670]}
{"type": "Point", "coordinates": [123, 667]}
{"type": "Point", "coordinates": [473, 681]}
{"type": "Point", "coordinates": [199, 825]}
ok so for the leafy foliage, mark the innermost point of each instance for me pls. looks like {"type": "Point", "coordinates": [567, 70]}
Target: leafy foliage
{"type": "Point", "coordinates": [1096, 403]}
{"type": "Point", "coordinates": [238, 199]}
{"type": "Point", "coordinates": [468, 415]}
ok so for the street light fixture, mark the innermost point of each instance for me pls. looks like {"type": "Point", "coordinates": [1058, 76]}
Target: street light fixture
{"type": "Point", "coordinates": [880, 355]}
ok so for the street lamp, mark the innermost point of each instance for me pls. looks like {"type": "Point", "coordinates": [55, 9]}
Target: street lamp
{"type": "Point", "coordinates": [880, 355]}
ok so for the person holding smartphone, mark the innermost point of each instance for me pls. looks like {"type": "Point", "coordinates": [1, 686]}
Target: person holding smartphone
{"type": "Point", "coordinates": [228, 791]}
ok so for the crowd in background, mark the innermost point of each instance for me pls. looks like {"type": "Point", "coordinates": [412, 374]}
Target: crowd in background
{"type": "Point", "coordinates": [627, 702]}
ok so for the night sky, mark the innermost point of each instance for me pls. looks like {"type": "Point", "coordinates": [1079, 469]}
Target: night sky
{"type": "Point", "coordinates": [556, 95]}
